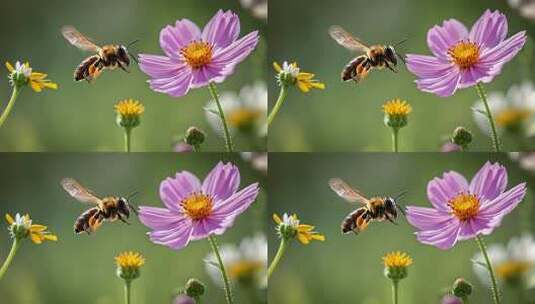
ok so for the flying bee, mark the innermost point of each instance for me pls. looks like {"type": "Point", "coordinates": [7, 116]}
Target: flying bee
{"type": "Point", "coordinates": [375, 56]}
{"type": "Point", "coordinates": [109, 57]}
{"type": "Point", "coordinates": [109, 208]}
{"type": "Point", "coordinates": [373, 209]}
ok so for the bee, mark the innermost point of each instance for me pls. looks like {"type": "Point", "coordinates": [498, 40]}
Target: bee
{"type": "Point", "coordinates": [373, 209]}
{"type": "Point", "coordinates": [109, 208]}
{"type": "Point", "coordinates": [109, 57]}
{"type": "Point", "coordinates": [375, 56]}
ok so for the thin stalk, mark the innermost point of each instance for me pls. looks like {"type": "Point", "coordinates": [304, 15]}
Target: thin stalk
{"type": "Point", "coordinates": [494, 284]}
{"type": "Point", "coordinates": [127, 140]}
{"type": "Point", "coordinates": [228, 139]}
{"type": "Point", "coordinates": [495, 138]}
{"type": "Point", "coordinates": [465, 300]}
{"type": "Point", "coordinates": [226, 281]}
{"type": "Point", "coordinates": [127, 285]}
{"type": "Point", "coordinates": [282, 248]}
{"type": "Point", "coordinates": [395, 139]}
{"type": "Point", "coordinates": [280, 101]}
{"type": "Point", "coordinates": [395, 284]}
{"type": "Point", "coordinates": [10, 105]}
{"type": "Point", "coordinates": [14, 248]}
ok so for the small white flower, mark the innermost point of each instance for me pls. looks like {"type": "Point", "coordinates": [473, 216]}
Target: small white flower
{"type": "Point", "coordinates": [290, 69]}
{"type": "Point", "coordinates": [290, 221]}
{"type": "Point", "coordinates": [259, 160]}
{"type": "Point", "coordinates": [245, 263]}
{"type": "Point", "coordinates": [23, 221]}
{"type": "Point", "coordinates": [259, 8]}
{"type": "Point", "coordinates": [246, 112]}
{"type": "Point", "coordinates": [23, 69]}
{"type": "Point", "coordinates": [510, 111]}
{"type": "Point", "coordinates": [511, 262]}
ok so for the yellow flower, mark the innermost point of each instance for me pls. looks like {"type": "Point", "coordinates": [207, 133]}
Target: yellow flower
{"type": "Point", "coordinates": [397, 107]}
{"type": "Point", "coordinates": [397, 259]}
{"type": "Point", "coordinates": [290, 227]}
{"type": "Point", "coordinates": [22, 227]}
{"type": "Point", "coordinates": [290, 74]}
{"type": "Point", "coordinates": [22, 74]}
{"type": "Point", "coordinates": [129, 108]}
{"type": "Point", "coordinates": [130, 259]}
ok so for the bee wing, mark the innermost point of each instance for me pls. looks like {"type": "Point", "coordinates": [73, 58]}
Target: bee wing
{"type": "Point", "coordinates": [78, 39]}
{"type": "Point", "coordinates": [79, 192]}
{"type": "Point", "coordinates": [345, 39]}
{"type": "Point", "coordinates": [346, 192]}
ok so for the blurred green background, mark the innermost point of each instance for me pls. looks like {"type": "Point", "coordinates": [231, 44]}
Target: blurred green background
{"type": "Point", "coordinates": [348, 117]}
{"type": "Point", "coordinates": [348, 268]}
{"type": "Point", "coordinates": [80, 268]}
{"type": "Point", "coordinates": [80, 117]}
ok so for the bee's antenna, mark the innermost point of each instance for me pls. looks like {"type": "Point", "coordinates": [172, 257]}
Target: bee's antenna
{"type": "Point", "coordinates": [132, 43]}
{"type": "Point", "coordinates": [397, 198]}
{"type": "Point", "coordinates": [129, 53]}
{"type": "Point", "coordinates": [132, 206]}
{"type": "Point", "coordinates": [401, 42]}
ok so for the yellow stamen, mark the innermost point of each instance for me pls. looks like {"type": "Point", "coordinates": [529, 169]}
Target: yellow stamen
{"type": "Point", "coordinates": [244, 269]}
{"type": "Point", "coordinates": [129, 108]}
{"type": "Point", "coordinates": [397, 107]}
{"type": "Point", "coordinates": [243, 118]}
{"type": "Point", "coordinates": [130, 259]}
{"type": "Point", "coordinates": [197, 54]}
{"type": "Point", "coordinates": [512, 269]}
{"type": "Point", "coordinates": [512, 117]}
{"type": "Point", "coordinates": [464, 54]}
{"type": "Point", "coordinates": [397, 259]}
{"type": "Point", "coordinates": [197, 206]}
{"type": "Point", "coordinates": [464, 206]}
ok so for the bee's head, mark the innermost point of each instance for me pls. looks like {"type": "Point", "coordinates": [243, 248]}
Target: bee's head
{"type": "Point", "coordinates": [391, 207]}
{"type": "Point", "coordinates": [122, 55]}
{"type": "Point", "coordinates": [123, 207]}
{"type": "Point", "coordinates": [390, 54]}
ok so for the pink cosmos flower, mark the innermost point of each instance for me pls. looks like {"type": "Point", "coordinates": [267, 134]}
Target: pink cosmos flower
{"type": "Point", "coordinates": [461, 58]}
{"type": "Point", "coordinates": [462, 211]}
{"type": "Point", "coordinates": [195, 211]}
{"type": "Point", "coordinates": [194, 58]}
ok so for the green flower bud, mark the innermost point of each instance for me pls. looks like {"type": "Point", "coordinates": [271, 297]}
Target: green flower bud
{"type": "Point", "coordinates": [461, 137]}
{"type": "Point", "coordinates": [461, 288]}
{"type": "Point", "coordinates": [194, 288]}
{"type": "Point", "coordinates": [194, 136]}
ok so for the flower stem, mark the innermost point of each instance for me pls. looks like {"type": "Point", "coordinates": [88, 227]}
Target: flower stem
{"type": "Point", "coordinates": [495, 139]}
{"type": "Point", "coordinates": [494, 284]}
{"type": "Point", "coordinates": [282, 97]}
{"type": "Point", "coordinates": [14, 247]}
{"type": "Point", "coordinates": [127, 139]}
{"type": "Point", "coordinates": [228, 139]}
{"type": "Point", "coordinates": [127, 285]}
{"type": "Point", "coordinates": [395, 139]}
{"type": "Point", "coordinates": [282, 248]}
{"type": "Point", "coordinates": [465, 300]}
{"type": "Point", "coordinates": [228, 290]}
{"type": "Point", "coordinates": [10, 104]}
{"type": "Point", "coordinates": [395, 284]}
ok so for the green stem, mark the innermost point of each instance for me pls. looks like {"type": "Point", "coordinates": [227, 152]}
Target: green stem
{"type": "Point", "coordinates": [226, 281]}
{"type": "Point", "coordinates": [395, 284]}
{"type": "Point", "coordinates": [127, 285]}
{"type": "Point", "coordinates": [282, 248]}
{"type": "Point", "coordinates": [9, 106]}
{"type": "Point", "coordinates": [228, 139]}
{"type": "Point", "coordinates": [127, 139]}
{"type": "Point", "coordinates": [196, 148]}
{"type": "Point", "coordinates": [494, 284]}
{"type": "Point", "coordinates": [495, 139]}
{"type": "Point", "coordinates": [465, 300]}
{"type": "Point", "coordinates": [395, 139]}
{"type": "Point", "coordinates": [14, 247]}
{"type": "Point", "coordinates": [282, 97]}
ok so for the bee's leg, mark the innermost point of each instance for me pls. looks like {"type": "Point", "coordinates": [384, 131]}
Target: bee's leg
{"type": "Point", "coordinates": [390, 67]}
{"type": "Point", "coordinates": [122, 67]}
{"type": "Point", "coordinates": [122, 219]}
{"type": "Point", "coordinates": [402, 59]}
{"type": "Point", "coordinates": [390, 219]}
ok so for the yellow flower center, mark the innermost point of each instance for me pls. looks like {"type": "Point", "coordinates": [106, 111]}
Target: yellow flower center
{"type": "Point", "coordinates": [464, 54]}
{"type": "Point", "coordinates": [397, 259]}
{"type": "Point", "coordinates": [197, 206]}
{"type": "Point", "coordinates": [243, 118]}
{"type": "Point", "coordinates": [129, 259]}
{"type": "Point", "coordinates": [512, 269]}
{"type": "Point", "coordinates": [397, 107]}
{"type": "Point", "coordinates": [129, 108]}
{"type": "Point", "coordinates": [244, 269]}
{"type": "Point", "coordinates": [511, 117]}
{"type": "Point", "coordinates": [464, 206]}
{"type": "Point", "coordinates": [197, 54]}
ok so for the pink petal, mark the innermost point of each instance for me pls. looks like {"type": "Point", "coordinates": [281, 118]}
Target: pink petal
{"type": "Point", "coordinates": [176, 86]}
{"type": "Point", "coordinates": [176, 238]}
{"type": "Point", "coordinates": [441, 38]}
{"type": "Point", "coordinates": [222, 181]}
{"type": "Point", "coordinates": [490, 29]}
{"type": "Point", "coordinates": [444, 238]}
{"type": "Point", "coordinates": [473, 227]}
{"type": "Point", "coordinates": [441, 190]}
{"type": "Point", "coordinates": [235, 53]}
{"type": "Point", "coordinates": [203, 76]}
{"type": "Point", "coordinates": [443, 86]}
{"type": "Point", "coordinates": [236, 204]}
{"type": "Point", "coordinates": [427, 66]}
{"type": "Point", "coordinates": [472, 76]}
{"type": "Point", "coordinates": [174, 38]}
{"type": "Point", "coordinates": [160, 66]}
{"type": "Point", "coordinates": [503, 204]}
{"type": "Point", "coordinates": [427, 218]}
{"type": "Point", "coordinates": [159, 218]}
{"type": "Point", "coordinates": [174, 190]}
{"type": "Point", "coordinates": [223, 29]}
{"type": "Point", "coordinates": [489, 182]}
{"type": "Point", "coordinates": [204, 228]}
{"type": "Point", "coordinates": [496, 57]}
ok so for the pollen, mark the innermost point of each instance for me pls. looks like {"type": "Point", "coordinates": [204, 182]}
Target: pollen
{"type": "Point", "coordinates": [129, 108]}
{"type": "Point", "coordinates": [464, 54]}
{"type": "Point", "coordinates": [130, 260]}
{"type": "Point", "coordinates": [397, 107]}
{"type": "Point", "coordinates": [464, 206]}
{"type": "Point", "coordinates": [197, 206]}
{"type": "Point", "coordinates": [197, 54]}
{"type": "Point", "coordinates": [243, 118]}
{"type": "Point", "coordinates": [510, 118]}
{"type": "Point", "coordinates": [397, 259]}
